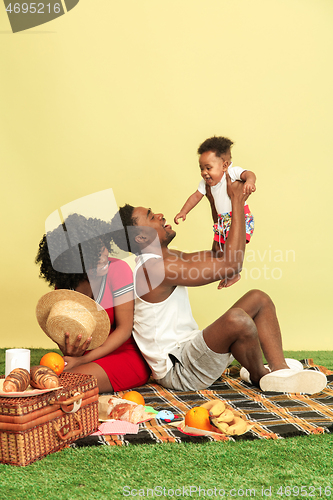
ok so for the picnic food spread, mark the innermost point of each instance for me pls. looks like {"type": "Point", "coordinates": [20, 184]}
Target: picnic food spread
{"type": "Point", "coordinates": [212, 417]}
{"type": "Point", "coordinates": [40, 377]}
{"type": "Point", "coordinates": [215, 417]}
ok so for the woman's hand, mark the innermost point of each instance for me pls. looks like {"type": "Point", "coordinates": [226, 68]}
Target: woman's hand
{"type": "Point", "coordinates": [74, 349]}
{"type": "Point", "coordinates": [72, 362]}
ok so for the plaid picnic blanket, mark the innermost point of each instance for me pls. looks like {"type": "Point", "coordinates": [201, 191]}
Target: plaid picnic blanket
{"type": "Point", "coordinates": [273, 415]}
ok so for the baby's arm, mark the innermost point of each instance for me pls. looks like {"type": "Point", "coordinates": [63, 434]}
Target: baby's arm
{"type": "Point", "coordinates": [249, 179]}
{"type": "Point", "coordinates": [192, 201]}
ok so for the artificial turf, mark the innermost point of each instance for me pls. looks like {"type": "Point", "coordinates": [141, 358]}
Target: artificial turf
{"type": "Point", "coordinates": [298, 467]}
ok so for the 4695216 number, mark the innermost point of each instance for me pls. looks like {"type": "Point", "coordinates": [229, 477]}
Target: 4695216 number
{"type": "Point", "coordinates": [304, 491]}
{"type": "Point", "coordinates": [33, 8]}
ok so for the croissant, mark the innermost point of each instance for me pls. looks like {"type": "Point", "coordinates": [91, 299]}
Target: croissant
{"type": "Point", "coordinates": [42, 377]}
{"type": "Point", "coordinates": [17, 380]}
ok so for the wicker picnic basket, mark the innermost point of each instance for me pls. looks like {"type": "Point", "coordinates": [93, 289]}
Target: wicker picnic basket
{"type": "Point", "coordinates": [34, 426]}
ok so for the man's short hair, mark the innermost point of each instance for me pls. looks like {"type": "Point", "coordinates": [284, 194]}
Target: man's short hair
{"type": "Point", "coordinates": [218, 145]}
{"type": "Point", "coordinates": [126, 215]}
{"type": "Point", "coordinates": [124, 238]}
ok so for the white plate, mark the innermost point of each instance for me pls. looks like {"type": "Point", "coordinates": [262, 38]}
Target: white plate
{"type": "Point", "coordinates": [28, 392]}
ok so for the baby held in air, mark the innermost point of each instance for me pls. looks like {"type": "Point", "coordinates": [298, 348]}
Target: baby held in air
{"type": "Point", "coordinates": [215, 166]}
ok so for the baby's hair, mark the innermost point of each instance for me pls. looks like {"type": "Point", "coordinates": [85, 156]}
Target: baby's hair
{"type": "Point", "coordinates": [218, 145]}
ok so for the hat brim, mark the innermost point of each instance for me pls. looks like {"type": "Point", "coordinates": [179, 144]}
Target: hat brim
{"type": "Point", "coordinates": [102, 328]}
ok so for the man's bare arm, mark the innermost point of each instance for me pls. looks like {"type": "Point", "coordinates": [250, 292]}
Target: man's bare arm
{"type": "Point", "coordinates": [210, 198]}
{"type": "Point", "coordinates": [200, 268]}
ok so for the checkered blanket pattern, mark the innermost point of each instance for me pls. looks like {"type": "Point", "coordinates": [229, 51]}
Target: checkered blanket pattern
{"type": "Point", "coordinates": [274, 415]}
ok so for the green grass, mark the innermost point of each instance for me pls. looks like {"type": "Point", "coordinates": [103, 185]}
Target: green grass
{"type": "Point", "coordinates": [116, 473]}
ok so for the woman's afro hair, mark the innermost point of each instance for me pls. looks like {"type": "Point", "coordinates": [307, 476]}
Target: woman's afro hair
{"type": "Point", "coordinates": [66, 253]}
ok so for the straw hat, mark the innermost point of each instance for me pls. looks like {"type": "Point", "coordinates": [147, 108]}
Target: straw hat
{"type": "Point", "coordinates": [64, 311]}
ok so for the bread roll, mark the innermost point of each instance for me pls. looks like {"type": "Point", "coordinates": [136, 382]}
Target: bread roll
{"type": "Point", "coordinates": [42, 377]}
{"type": "Point", "coordinates": [17, 380]}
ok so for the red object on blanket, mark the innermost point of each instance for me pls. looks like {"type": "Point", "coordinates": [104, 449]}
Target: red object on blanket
{"type": "Point", "coordinates": [116, 427]}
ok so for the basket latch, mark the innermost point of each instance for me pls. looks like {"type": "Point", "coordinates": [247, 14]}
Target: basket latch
{"type": "Point", "coordinates": [65, 432]}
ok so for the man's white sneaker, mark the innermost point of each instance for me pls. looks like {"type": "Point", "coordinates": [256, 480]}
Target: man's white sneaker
{"type": "Point", "coordinates": [244, 375]}
{"type": "Point", "coordinates": [305, 381]}
{"type": "Point", "coordinates": [292, 363]}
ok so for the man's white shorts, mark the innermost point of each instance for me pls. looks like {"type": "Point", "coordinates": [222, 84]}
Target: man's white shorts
{"type": "Point", "coordinates": [195, 366]}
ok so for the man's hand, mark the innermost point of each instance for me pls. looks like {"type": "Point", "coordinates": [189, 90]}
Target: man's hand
{"type": "Point", "coordinates": [74, 349]}
{"type": "Point", "coordinates": [210, 198]}
{"type": "Point", "coordinates": [226, 282]}
{"type": "Point", "coordinates": [236, 189]}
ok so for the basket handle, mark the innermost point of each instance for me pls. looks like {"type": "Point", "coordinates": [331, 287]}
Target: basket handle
{"type": "Point", "coordinates": [64, 433]}
{"type": "Point", "coordinates": [76, 399]}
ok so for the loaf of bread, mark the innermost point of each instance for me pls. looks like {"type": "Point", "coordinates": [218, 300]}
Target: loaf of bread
{"type": "Point", "coordinates": [120, 409]}
{"type": "Point", "coordinates": [17, 380]}
{"type": "Point", "coordinates": [42, 377]}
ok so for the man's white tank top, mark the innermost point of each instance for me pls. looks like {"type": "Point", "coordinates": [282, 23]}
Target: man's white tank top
{"type": "Point", "coordinates": [160, 328]}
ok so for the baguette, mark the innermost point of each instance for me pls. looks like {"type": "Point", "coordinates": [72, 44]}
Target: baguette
{"type": "Point", "coordinates": [42, 377]}
{"type": "Point", "coordinates": [17, 380]}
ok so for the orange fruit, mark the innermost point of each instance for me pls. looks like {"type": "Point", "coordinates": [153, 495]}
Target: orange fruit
{"type": "Point", "coordinates": [198, 418]}
{"type": "Point", "coordinates": [134, 396]}
{"type": "Point", "coordinates": [54, 361]}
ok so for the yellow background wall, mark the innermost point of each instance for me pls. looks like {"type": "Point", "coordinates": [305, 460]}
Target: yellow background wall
{"type": "Point", "coordinates": [119, 94]}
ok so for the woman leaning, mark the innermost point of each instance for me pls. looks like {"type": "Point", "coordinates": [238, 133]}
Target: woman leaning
{"type": "Point", "coordinates": [117, 363]}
